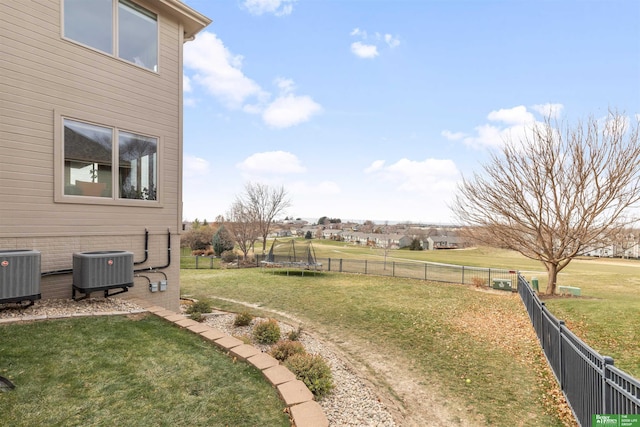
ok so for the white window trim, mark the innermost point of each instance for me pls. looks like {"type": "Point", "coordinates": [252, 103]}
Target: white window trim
{"type": "Point", "coordinates": [114, 200]}
{"type": "Point", "coordinates": [114, 36]}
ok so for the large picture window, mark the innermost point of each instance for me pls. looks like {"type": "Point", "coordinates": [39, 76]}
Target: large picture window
{"type": "Point", "coordinates": [91, 154]}
{"type": "Point", "coordinates": [117, 27]}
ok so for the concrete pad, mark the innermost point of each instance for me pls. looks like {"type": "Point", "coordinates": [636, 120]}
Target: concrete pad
{"type": "Point", "coordinates": [263, 361]}
{"type": "Point", "coordinates": [309, 414]}
{"type": "Point", "coordinates": [244, 351]}
{"type": "Point", "coordinates": [174, 317]}
{"type": "Point", "coordinates": [228, 342]}
{"type": "Point", "coordinates": [185, 323]}
{"type": "Point", "coordinates": [199, 328]}
{"type": "Point", "coordinates": [279, 375]}
{"type": "Point", "coordinates": [213, 334]}
{"type": "Point", "coordinates": [294, 392]}
{"type": "Point", "coordinates": [155, 308]}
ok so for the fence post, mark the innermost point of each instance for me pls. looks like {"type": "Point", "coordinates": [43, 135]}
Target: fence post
{"type": "Point", "coordinates": [365, 266]}
{"type": "Point", "coordinates": [340, 265]}
{"type": "Point", "coordinates": [210, 262]}
{"type": "Point", "coordinates": [329, 264]}
{"type": "Point", "coordinates": [393, 268]}
{"type": "Point", "coordinates": [560, 374]}
{"type": "Point", "coordinates": [197, 261]}
{"type": "Point", "coordinates": [425, 271]}
{"type": "Point", "coordinates": [462, 275]}
{"type": "Point", "coordinates": [606, 402]}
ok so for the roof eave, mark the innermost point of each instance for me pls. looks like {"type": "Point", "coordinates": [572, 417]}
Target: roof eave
{"type": "Point", "coordinates": [192, 21]}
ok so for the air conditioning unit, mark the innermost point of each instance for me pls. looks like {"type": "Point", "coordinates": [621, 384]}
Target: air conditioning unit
{"type": "Point", "coordinates": [19, 275]}
{"type": "Point", "coordinates": [502, 284]}
{"type": "Point", "coordinates": [102, 271]}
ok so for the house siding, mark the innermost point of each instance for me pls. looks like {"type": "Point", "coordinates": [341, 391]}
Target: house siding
{"type": "Point", "coordinates": [44, 77]}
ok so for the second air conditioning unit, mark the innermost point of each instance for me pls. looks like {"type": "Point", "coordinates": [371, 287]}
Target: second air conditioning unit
{"type": "Point", "coordinates": [102, 271]}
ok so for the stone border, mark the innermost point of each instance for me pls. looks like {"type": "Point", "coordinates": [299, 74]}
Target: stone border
{"type": "Point", "coordinates": [303, 409]}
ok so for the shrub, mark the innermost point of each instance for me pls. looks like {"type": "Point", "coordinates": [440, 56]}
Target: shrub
{"type": "Point", "coordinates": [285, 349]}
{"type": "Point", "coordinates": [267, 331]}
{"type": "Point", "coordinates": [478, 282]}
{"type": "Point", "coordinates": [295, 334]}
{"type": "Point", "coordinates": [229, 256]}
{"type": "Point", "coordinates": [201, 306]}
{"type": "Point", "coordinates": [312, 370]}
{"type": "Point", "coordinates": [197, 316]}
{"type": "Point", "coordinates": [222, 241]}
{"type": "Point", "coordinates": [243, 319]}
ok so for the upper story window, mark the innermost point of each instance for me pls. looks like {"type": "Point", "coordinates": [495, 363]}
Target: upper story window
{"type": "Point", "coordinates": [91, 155]}
{"type": "Point", "coordinates": [117, 27]}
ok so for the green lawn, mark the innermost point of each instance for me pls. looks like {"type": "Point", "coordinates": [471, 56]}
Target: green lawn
{"type": "Point", "coordinates": [607, 316]}
{"type": "Point", "coordinates": [443, 334]}
{"type": "Point", "coordinates": [122, 371]}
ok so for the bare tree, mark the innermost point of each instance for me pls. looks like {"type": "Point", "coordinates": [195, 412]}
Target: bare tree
{"type": "Point", "coordinates": [264, 203]}
{"type": "Point", "coordinates": [243, 226]}
{"type": "Point", "coordinates": [556, 193]}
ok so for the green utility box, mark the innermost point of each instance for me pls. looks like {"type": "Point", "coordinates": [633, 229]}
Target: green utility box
{"type": "Point", "coordinates": [502, 284]}
{"type": "Point", "coordinates": [534, 283]}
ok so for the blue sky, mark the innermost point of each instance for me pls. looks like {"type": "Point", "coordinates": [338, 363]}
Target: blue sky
{"type": "Point", "coordinates": [375, 109]}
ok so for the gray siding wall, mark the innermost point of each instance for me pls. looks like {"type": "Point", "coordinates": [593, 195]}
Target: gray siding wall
{"type": "Point", "coordinates": [44, 77]}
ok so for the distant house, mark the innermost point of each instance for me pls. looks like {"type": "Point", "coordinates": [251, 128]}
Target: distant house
{"type": "Point", "coordinates": [329, 233]}
{"type": "Point", "coordinates": [92, 134]}
{"type": "Point", "coordinates": [442, 242]}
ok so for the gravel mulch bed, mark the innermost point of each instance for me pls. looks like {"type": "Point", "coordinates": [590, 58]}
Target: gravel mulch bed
{"type": "Point", "coordinates": [53, 308]}
{"type": "Point", "coordinates": [351, 403]}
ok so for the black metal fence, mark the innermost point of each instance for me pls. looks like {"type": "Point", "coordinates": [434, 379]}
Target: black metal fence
{"type": "Point", "coordinates": [435, 272]}
{"type": "Point", "coordinates": [589, 381]}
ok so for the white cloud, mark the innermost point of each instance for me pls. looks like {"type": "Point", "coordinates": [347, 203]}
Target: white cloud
{"type": "Point", "coordinates": [548, 110]}
{"type": "Point", "coordinates": [375, 166]}
{"type": "Point", "coordinates": [391, 41]}
{"type": "Point", "coordinates": [195, 167]}
{"type": "Point", "coordinates": [419, 177]}
{"type": "Point", "coordinates": [271, 162]}
{"type": "Point", "coordinates": [453, 136]}
{"type": "Point", "coordinates": [358, 32]}
{"type": "Point", "coordinates": [219, 71]}
{"type": "Point", "coordinates": [364, 50]}
{"type": "Point", "coordinates": [289, 110]}
{"type": "Point", "coordinates": [277, 7]}
{"type": "Point", "coordinates": [371, 48]}
{"type": "Point", "coordinates": [285, 85]}
{"type": "Point", "coordinates": [507, 124]}
{"type": "Point", "coordinates": [512, 116]}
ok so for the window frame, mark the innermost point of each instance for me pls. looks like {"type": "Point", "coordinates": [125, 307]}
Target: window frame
{"type": "Point", "coordinates": [115, 31]}
{"type": "Point", "coordinates": [114, 199]}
